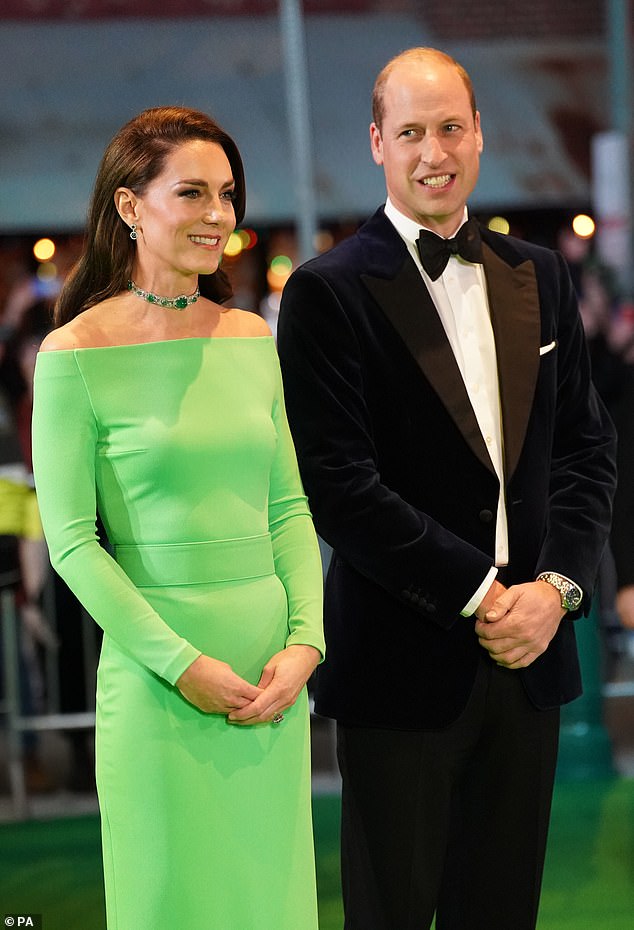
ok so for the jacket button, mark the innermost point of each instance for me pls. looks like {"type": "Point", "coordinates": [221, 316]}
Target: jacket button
{"type": "Point", "coordinates": [485, 516]}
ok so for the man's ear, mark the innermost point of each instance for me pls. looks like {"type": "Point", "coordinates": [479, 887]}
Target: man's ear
{"type": "Point", "coordinates": [376, 144]}
{"type": "Point", "coordinates": [478, 130]}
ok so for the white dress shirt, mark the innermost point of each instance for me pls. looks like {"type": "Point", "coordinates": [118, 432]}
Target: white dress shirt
{"type": "Point", "coordinates": [460, 297]}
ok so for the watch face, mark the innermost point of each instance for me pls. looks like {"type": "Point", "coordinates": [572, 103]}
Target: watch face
{"type": "Point", "coordinates": [572, 599]}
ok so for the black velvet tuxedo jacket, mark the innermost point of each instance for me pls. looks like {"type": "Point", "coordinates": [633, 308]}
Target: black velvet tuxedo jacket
{"type": "Point", "coordinates": [400, 481]}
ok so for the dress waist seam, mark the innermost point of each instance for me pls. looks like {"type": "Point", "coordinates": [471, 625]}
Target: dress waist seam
{"type": "Point", "coordinates": [205, 562]}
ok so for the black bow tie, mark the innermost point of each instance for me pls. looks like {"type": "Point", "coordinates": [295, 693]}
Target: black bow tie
{"type": "Point", "coordinates": [435, 252]}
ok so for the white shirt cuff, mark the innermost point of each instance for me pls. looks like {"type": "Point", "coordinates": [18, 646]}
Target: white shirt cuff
{"type": "Point", "coordinates": [478, 597]}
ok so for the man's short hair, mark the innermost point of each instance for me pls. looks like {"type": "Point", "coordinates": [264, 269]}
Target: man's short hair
{"type": "Point", "coordinates": [419, 54]}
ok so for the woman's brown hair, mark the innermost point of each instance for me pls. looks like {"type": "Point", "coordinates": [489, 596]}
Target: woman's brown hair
{"type": "Point", "coordinates": [134, 158]}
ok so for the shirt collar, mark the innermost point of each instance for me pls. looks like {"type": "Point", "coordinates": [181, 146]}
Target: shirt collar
{"type": "Point", "coordinates": [409, 229]}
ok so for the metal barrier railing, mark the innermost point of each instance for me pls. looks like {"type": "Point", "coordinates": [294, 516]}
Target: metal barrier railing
{"type": "Point", "coordinates": [18, 723]}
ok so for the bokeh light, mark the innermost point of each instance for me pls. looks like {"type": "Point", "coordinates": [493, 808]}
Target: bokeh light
{"type": "Point", "coordinates": [47, 271]}
{"type": "Point", "coordinates": [248, 237]}
{"type": "Point", "coordinates": [499, 224]}
{"type": "Point", "coordinates": [234, 245]}
{"type": "Point", "coordinates": [279, 270]}
{"type": "Point", "coordinates": [281, 265]}
{"type": "Point", "coordinates": [583, 226]}
{"type": "Point", "coordinates": [44, 250]}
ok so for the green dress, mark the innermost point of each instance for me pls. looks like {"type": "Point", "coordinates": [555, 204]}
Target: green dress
{"type": "Point", "coordinates": [183, 448]}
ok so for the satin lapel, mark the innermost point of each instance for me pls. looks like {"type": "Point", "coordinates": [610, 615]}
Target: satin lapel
{"type": "Point", "coordinates": [515, 316]}
{"type": "Point", "coordinates": [408, 306]}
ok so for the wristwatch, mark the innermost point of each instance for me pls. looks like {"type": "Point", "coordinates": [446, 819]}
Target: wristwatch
{"type": "Point", "coordinates": [570, 593]}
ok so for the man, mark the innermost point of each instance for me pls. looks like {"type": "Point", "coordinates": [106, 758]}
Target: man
{"type": "Point", "coordinates": [453, 450]}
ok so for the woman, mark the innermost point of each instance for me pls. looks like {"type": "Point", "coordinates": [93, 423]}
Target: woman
{"type": "Point", "coordinates": [164, 412]}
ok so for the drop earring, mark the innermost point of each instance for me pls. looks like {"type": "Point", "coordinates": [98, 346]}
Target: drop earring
{"type": "Point", "coordinates": [133, 234]}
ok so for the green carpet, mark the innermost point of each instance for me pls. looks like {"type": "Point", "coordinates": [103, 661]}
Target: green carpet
{"type": "Point", "coordinates": [54, 869]}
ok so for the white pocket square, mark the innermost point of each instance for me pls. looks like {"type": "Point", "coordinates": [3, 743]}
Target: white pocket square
{"type": "Point", "coordinates": [544, 350]}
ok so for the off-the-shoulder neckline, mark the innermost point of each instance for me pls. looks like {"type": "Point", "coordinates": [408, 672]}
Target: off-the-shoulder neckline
{"type": "Point", "coordinates": [155, 342]}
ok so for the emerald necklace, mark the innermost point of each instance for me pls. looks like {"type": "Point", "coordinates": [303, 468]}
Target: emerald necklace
{"type": "Point", "coordinates": [173, 303]}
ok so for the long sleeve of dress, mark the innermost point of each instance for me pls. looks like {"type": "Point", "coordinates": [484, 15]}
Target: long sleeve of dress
{"type": "Point", "coordinates": [64, 443]}
{"type": "Point", "coordinates": [295, 547]}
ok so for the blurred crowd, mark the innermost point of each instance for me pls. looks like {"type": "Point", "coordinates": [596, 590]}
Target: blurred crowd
{"type": "Point", "coordinates": [608, 319]}
{"type": "Point", "coordinates": [50, 646]}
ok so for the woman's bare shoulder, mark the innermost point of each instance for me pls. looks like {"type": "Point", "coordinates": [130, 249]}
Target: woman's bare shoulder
{"type": "Point", "coordinates": [65, 337]}
{"type": "Point", "coordinates": [243, 323]}
{"type": "Point", "coordinates": [85, 331]}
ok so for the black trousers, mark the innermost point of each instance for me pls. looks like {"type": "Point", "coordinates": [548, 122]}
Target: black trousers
{"type": "Point", "coordinates": [449, 822]}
